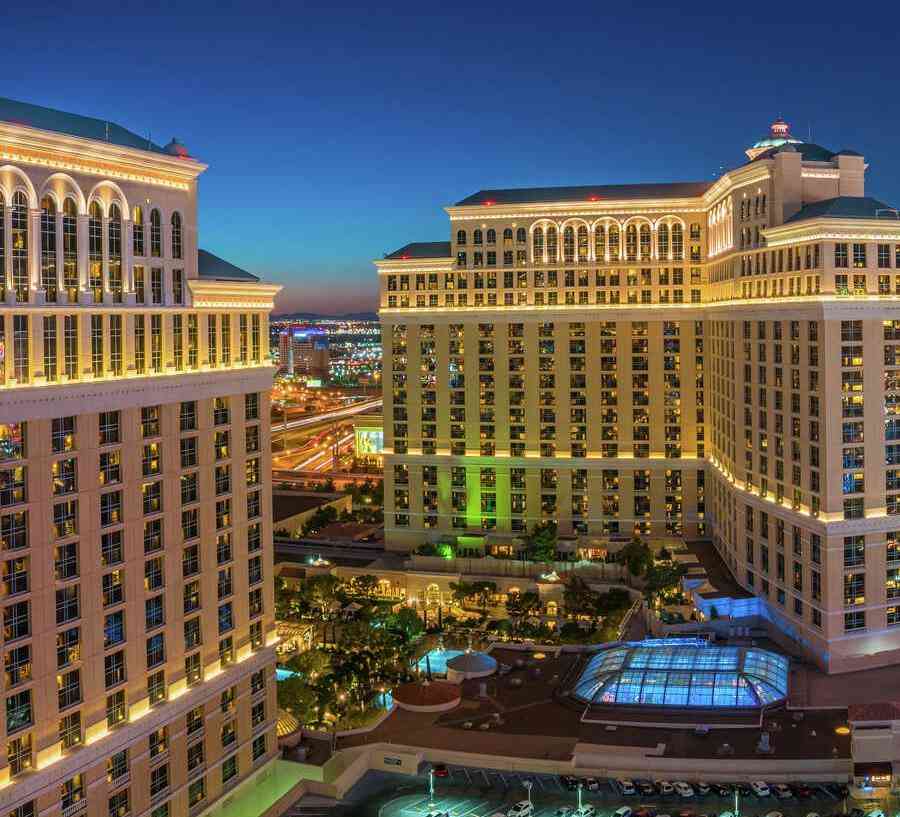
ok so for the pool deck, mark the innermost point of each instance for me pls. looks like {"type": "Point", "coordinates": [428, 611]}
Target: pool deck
{"type": "Point", "coordinates": [529, 720]}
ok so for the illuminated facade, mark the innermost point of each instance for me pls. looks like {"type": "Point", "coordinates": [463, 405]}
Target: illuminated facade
{"type": "Point", "coordinates": [714, 359]}
{"type": "Point", "coordinates": [135, 546]}
{"type": "Point", "coordinates": [303, 350]}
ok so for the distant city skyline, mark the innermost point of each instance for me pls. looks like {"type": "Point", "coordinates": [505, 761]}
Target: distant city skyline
{"type": "Point", "coordinates": [336, 134]}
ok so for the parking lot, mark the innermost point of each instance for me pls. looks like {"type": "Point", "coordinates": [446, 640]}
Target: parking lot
{"type": "Point", "coordinates": [480, 792]}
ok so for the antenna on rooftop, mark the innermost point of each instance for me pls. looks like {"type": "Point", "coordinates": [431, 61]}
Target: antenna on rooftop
{"type": "Point", "coordinates": [107, 130]}
{"type": "Point", "coordinates": [809, 136]}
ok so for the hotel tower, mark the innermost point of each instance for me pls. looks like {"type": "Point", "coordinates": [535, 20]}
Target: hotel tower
{"type": "Point", "coordinates": [701, 360]}
{"type": "Point", "coordinates": [135, 537]}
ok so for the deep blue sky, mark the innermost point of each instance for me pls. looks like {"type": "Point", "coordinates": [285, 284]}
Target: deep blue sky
{"type": "Point", "coordinates": [335, 132]}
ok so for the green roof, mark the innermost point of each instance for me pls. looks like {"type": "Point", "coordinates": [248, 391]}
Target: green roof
{"type": "Point", "coordinates": [845, 207]}
{"type": "Point", "coordinates": [73, 124]}
{"type": "Point", "coordinates": [213, 268]}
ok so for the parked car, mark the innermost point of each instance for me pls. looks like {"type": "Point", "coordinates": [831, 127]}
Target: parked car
{"type": "Point", "coordinates": [856, 812]}
{"type": "Point", "coordinates": [591, 784]}
{"type": "Point", "coordinates": [774, 814]}
{"type": "Point", "coordinates": [801, 790]}
{"type": "Point", "coordinates": [644, 811]}
{"type": "Point", "coordinates": [839, 790]}
{"type": "Point", "coordinates": [722, 789]}
{"type": "Point", "coordinates": [875, 813]}
{"type": "Point", "coordinates": [438, 814]}
{"type": "Point", "coordinates": [623, 811]}
{"type": "Point", "coordinates": [743, 789]}
{"type": "Point", "coordinates": [568, 782]}
{"type": "Point", "coordinates": [627, 787]}
{"type": "Point", "coordinates": [703, 788]}
{"type": "Point", "coordinates": [683, 789]}
{"type": "Point", "coordinates": [813, 814]}
{"type": "Point", "coordinates": [645, 787]}
{"type": "Point", "coordinates": [440, 770]}
{"type": "Point", "coordinates": [760, 788]}
{"type": "Point", "coordinates": [587, 810]}
{"type": "Point", "coordinates": [564, 811]}
{"type": "Point", "coordinates": [664, 787]}
{"type": "Point", "coordinates": [782, 791]}
{"type": "Point", "coordinates": [521, 809]}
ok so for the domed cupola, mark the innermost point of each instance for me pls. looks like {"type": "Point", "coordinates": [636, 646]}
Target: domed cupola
{"type": "Point", "coordinates": [175, 148]}
{"type": "Point", "coordinates": [779, 134]}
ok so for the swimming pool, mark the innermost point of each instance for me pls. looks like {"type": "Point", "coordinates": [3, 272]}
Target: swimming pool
{"type": "Point", "coordinates": [437, 659]}
{"type": "Point", "coordinates": [282, 674]}
{"type": "Point", "coordinates": [383, 700]}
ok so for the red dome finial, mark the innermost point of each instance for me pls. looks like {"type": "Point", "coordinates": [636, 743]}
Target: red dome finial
{"type": "Point", "coordinates": [780, 129]}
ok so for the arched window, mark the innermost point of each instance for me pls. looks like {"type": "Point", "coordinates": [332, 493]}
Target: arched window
{"type": "Point", "coordinates": [19, 236]}
{"type": "Point", "coordinates": [631, 243]}
{"type": "Point", "coordinates": [662, 241]}
{"type": "Point", "coordinates": [95, 251]}
{"type": "Point", "coordinates": [176, 235]}
{"type": "Point", "coordinates": [155, 234]}
{"type": "Point", "coordinates": [2, 256]}
{"type": "Point", "coordinates": [432, 596]}
{"type": "Point", "coordinates": [137, 232]}
{"type": "Point", "coordinates": [600, 242]}
{"type": "Point", "coordinates": [677, 243]}
{"type": "Point", "coordinates": [582, 243]}
{"type": "Point", "coordinates": [537, 245]}
{"type": "Point", "coordinates": [492, 236]}
{"type": "Point", "coordinates": [507, 234]}
{"type": "Point", "coordinates": [521, 235]}
{"type": "Point", "coordinates": [569, 245]}
{"type": "Point", "coordinates": [70, 249]}
{"type": "Point", "coordinates": [477, 237]}
{"type": "Point", "coordinates": [48, 249]}
{"type": "Point", "coordinates": [460, 236]}
{"type": "Point", "coordinates": [552, 252]}
{"type": "Point", "coordinates": [114, 242]}
{"type": "Point", "coordinates": [614, 242]}
{"type": "Point", "coordinates": [646, 242]}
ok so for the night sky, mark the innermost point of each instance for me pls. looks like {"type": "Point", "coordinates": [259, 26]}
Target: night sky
{"type": "Point", "coordinates": [336, 133]}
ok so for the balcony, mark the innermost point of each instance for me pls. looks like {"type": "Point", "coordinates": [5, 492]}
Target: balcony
{"type": "Point", "coordinates": [75, 808]}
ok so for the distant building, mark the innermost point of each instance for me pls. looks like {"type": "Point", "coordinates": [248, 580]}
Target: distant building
{"type": "Point", "coordinates": [303, 350]}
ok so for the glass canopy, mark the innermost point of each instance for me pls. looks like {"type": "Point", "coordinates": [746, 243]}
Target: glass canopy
{"type": "Point", "coordinates": [683, 673]}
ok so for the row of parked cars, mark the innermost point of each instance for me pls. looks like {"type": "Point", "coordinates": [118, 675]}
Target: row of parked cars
{"type": "Point", "coordinates": [681, 788]}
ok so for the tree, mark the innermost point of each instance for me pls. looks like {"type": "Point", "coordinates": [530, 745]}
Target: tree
{"type": "Point", "coordinates": [406, 623]}
{"type": "Point", "coordinates": [662, 578]}
{"type": "Point", "coordinates": [319, 519]}
{"type": "Point", "coordinates": [484, 590]}
{"type": "Point", "coordinates": [636, 556]}
{"type": "Point", "coordinates": [365, 585]}
{"type": "Point", "coordinates": [542, 543]}
{"type": "Point", "coordinates": [460, 591]}
{"type": "Point", "coordinates": [299, 698]}
{"type": "Point", "coordinates": [519, 606]}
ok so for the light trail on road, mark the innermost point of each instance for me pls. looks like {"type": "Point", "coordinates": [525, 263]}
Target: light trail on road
{"type": "Point", "coordinates": [325, 416]}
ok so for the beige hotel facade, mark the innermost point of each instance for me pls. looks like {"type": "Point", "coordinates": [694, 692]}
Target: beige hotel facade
{"type": "Point", "coordinates": [715, 360]}
{"type": "Point", "coordinates": [135, 539]}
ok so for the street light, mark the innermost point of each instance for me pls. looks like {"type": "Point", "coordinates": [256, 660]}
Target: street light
{"type": "Point", "coordinates": [431, 787]}
{"type": "Point", "coordinates": [579, 788]}
{"type": "Point", "coordinates": [527, 784]}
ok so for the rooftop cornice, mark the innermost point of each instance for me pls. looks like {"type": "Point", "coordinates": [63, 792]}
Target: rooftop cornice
{"type": "Point", "coordinates": [819, 229]}
{"type": "Point", "coordinates": [414, 264]}
{"type": "Point", "coordinates": [563, 209]}
{"type": "Point", "coordinates": [21, 143]}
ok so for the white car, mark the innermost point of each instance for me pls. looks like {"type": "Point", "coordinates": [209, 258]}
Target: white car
{"type": "Point", "coordinates": [760, 788]}
{"type": "Point", "coordinates": [622, 811]}
{"type": "Point", "coordinates": [683, 789]}
{"type": "Point", "coordinates": [521, 809]}
{"type": "Point", "coordinates": [627, 787]}
{"type": "Point", "coordinates": [782, 792]}
{"type": "Point", "coordinates": [665, 787]}
{"type": "Point", "coordinates": [703, 788]}
{"type": "Point", "coordinates": [774, 814]}
{"type": "Point", "coordinates": [591, 783]}
{"type": "Point", "coordinates": [587, 810]}
{"type": "Point", "coordinates": [813, 814]}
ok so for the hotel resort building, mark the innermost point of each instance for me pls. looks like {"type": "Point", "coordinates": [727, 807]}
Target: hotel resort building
{"type": "Point", "coordinates": [135, 539]}
{"type": "Point", "coordinates": [702, 360]}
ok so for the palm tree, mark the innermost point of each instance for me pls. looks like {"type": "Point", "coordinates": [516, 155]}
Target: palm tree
{"type": "Point", "coordinates": [519, 606]}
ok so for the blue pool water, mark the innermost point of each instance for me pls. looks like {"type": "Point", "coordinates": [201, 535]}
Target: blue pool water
{"type": "Point", "coordinates": [282, 674]}
{"type": "Point", "coordinates": [437, 659]}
